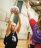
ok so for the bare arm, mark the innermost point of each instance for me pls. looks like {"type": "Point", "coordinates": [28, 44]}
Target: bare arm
{"type": "Point", "coordinates": [8, 27]}
{"type": "Point", "coordinates": [18, 25]}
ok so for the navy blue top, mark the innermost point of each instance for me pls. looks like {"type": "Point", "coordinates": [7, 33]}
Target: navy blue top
{"type": "Point", "coordinates": [36, 37]}
{"type": "Point", "coordinates": [11, 40]}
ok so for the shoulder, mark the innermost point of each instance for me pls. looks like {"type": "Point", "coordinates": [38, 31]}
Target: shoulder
{"type": "Point", "coordinates": [15, 33]}
{"type": "Point", "coordinates": [32, 22]}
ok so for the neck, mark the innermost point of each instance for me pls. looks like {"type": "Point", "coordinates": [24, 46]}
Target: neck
{"type": "Point", "coordinates": [16, 14]}
{"type": "Point", "coordinates": [39, 29]}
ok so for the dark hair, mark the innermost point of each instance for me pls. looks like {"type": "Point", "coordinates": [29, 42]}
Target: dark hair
{"type": "Point", "coordinates": [25, 0]}
{"type": "Point", "coordinates": [39, 22]}
{"type": "Point", "coordinates": [39, 16]}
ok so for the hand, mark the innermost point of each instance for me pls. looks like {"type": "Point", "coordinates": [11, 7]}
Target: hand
{"type": "Point", "coordinates": [27, 4]}
{"type": "Point", "coordinates": [14, 10]}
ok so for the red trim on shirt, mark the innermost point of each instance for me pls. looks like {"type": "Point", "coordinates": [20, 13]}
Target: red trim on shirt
{"type": "Point", "coordinates": [32, 22]}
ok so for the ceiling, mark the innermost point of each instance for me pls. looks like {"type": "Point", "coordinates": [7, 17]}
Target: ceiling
{"type": "Point", "coordinates": [36, 5]}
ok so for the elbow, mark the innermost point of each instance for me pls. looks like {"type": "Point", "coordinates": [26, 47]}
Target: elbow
{"type": "Point", "coordinates": [18, 30]}
{"type": "Point", "coordinates": [20, 25]}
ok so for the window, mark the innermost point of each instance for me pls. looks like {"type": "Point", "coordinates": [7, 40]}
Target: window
{"type": "Point", "coordinates": [19, 4]}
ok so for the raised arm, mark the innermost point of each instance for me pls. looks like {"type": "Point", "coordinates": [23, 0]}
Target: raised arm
{"type": "Point", "coordinates": [18, 25]}
{"type": "Point", "coordinates": [8, 28]}
{"type": "Point", "coordinates": [15, 10]}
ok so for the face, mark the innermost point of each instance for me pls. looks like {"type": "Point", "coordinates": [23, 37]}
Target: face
{"type": "Point", "coordinates": [39, 19]}
{"type": "Point", "coordinates": [39, 22]}
{"type": "Point", "coordinates": [13, 27]}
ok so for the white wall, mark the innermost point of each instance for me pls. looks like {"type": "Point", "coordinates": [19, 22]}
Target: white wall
{"type": "Point", "coordinates": [24, 23]}
{"type": "Point", "coordinates": [25, 27]}
{"type": "Point", "coordinates": [5, 6]}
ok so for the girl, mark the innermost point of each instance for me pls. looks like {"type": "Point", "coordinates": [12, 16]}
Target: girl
{"type": "Point", "coordinates": [36, 30]}
{"type": "Point", "coordinates": [11, 38]}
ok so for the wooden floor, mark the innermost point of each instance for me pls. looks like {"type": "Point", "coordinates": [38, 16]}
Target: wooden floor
{"type": "Point", "coordinates": [21, 44]}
